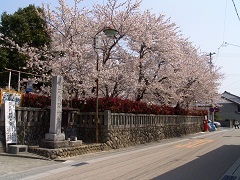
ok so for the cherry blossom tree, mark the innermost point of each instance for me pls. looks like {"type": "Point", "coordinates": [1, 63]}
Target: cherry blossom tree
{"type": "Point", "coordinates": [155, 47]}
{"type": "Point", "coordinates": [197, 82]}
{"type": "Point", "coordinates": [70, 46]}
{"type": "Point", "coordinates": [116, 65]}
{"type": "Point", "coordinates": [148, 59]}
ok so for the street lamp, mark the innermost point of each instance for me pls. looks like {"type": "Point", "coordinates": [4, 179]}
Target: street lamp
{"type": "Point", "coordinates": [109, 33]}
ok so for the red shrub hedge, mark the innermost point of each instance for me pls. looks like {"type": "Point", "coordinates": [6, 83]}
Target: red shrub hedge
{"type": "Point", "coordinates": [33, 100]}
{"type": "Point", "coordinates": [116, 105]}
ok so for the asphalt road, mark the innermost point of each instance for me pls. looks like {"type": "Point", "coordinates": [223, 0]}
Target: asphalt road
{"type": "Point", "coordinates": [201, 156]}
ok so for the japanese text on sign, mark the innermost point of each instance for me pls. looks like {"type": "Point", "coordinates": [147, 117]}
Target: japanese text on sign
{"type": "Point", "coordinates": [10, 122]}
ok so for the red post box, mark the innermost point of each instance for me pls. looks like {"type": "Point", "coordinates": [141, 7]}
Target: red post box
{"type": "Point", "coordinates": [205, 125]}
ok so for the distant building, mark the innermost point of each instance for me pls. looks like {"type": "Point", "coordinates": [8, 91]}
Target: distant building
{"type": "Point", "coordinates": [229, 107]}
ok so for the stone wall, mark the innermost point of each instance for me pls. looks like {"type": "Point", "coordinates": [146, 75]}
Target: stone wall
{"type": "Point", "coordinates": [32, 124]}
{"type": "Point", "coordinates": [118, 138]}
{"type": "Point", "coordinates": [116, 130]}
{"type": "Point", "coordinates": [32, 133]}
{"type": "Point", "coordinates": [68, 152]}
{"type": "Point", "coordinates": [140, 128]}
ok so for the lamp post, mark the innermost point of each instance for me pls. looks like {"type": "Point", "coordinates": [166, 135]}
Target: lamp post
{"type": "Point", "coordinates": [109, 33]}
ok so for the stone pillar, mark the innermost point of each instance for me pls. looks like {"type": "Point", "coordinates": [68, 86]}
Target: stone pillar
{"type": "Point", "coordinates": [107, 119]}
{"type": "Point", "coordinates": [56, 111]}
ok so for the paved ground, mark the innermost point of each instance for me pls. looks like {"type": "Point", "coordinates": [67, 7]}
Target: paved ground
{"type": "Point", "coordinates": [20, 166]}
{"type": "Point", "coordinates": [16, 163]}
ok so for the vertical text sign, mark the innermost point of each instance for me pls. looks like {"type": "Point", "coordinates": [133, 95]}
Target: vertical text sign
{"type": "Point", "coordinates": [56, 105]}
{"type": "Point", "coordinates": [59, 103]}
{"type": "Point", "coordinates": [10, 122]}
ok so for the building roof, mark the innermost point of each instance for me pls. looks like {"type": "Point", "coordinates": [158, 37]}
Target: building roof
{"type": "Point", "coordinates": [231, 97]}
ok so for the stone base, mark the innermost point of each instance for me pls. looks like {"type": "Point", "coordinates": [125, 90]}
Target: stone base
{"type": "Point", "coordinates": [59, 144]}
{"type": "Point", "coordinates": [16, 149]}
{"type": "Point", "coordinates": [54, 137]}
{"type": "Point", "coordinates": [68, 152]}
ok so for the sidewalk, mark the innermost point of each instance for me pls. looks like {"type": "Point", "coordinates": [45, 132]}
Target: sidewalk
{"type": "Point", "coordinates": [13, 163]}
{"type": "Point", "coordinates": [24, 163]}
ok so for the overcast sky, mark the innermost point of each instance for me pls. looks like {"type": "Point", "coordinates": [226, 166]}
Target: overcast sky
{"type": "Point", "coordinates": [212, 26]}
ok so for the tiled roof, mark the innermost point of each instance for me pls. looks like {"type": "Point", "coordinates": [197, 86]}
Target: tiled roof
{"type": "Point", "coordinates": [231, 97]}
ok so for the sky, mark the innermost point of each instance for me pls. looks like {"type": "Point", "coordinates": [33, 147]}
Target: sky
{"type": "Point", "coordinates": [212, 27]}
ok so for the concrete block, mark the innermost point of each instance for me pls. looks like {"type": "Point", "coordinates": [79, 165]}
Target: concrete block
{"type": "Point", "coordinates": [16, 149]}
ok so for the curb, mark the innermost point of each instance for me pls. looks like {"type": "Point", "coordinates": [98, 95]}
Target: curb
{"type": "Point", "coordinates": [26, 155]}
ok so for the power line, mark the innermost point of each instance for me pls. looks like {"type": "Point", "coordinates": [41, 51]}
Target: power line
{"type": "Point", "coordinates": [236, 10]}
{"type": "Point", "coordinates": [232, 74]}
{"type": "Point", "coordinates": [225, 44]}
{"type": "Point", "coordinates": [231, 84]}
{"type": "Point", "coordinates": [225, 15]}
{"type": "Point", "coordinates": [224, 30]}
{"type": "Point", "coordinates": [231, 44]}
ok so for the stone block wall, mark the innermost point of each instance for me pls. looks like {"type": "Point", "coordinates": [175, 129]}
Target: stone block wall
{"type": "Point", "coordinates": [32, 133]}
{"type": "Point", "coordinates": [67, 152]}
{"type": "Point", "coordinates": [145, 127]}
{"type": "Point", "coordinates": [115, 130]}
{"type": "Point", "coordinates": [32, 124]}
{"type": "Point", "coordinates": [118, 138]}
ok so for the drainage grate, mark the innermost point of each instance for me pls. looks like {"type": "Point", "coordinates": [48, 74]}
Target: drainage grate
{"type": "Point", "coordinates": [227, 177]}
{"type": "Point", "coordinates": [79, 164]}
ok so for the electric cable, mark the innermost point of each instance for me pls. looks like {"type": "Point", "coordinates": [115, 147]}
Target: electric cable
{"type": "Point", "coordinates": [225, 16]}
{"type": "Point", "coordinates": [224, 30]}
{"type": "Point", "coordinates": [236, 10]}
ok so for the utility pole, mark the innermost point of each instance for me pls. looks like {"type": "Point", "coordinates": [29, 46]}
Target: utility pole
{"type": "Point", "coordinates": [210, 59]}
{"type": "Point", "coordinates": [212, 107]}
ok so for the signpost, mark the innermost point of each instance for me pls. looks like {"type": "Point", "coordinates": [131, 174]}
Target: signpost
{"type": "Point", "coordinates": [10, 123]}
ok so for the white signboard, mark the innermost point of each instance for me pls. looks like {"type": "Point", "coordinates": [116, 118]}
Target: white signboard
{"type": "Point", "coordinates": [10, 122]}
{"type": "Point", "coordinates": [6, 95]}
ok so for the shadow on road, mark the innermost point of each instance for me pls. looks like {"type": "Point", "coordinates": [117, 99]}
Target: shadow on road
{"type": "Point", "coordinates": [210, 166]}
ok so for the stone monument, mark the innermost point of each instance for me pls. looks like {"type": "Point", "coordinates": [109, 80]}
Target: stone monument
{"type": "Point", "coordinates": [55, 138]}
{"type": "Point", "coordinates": [56, 111]}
